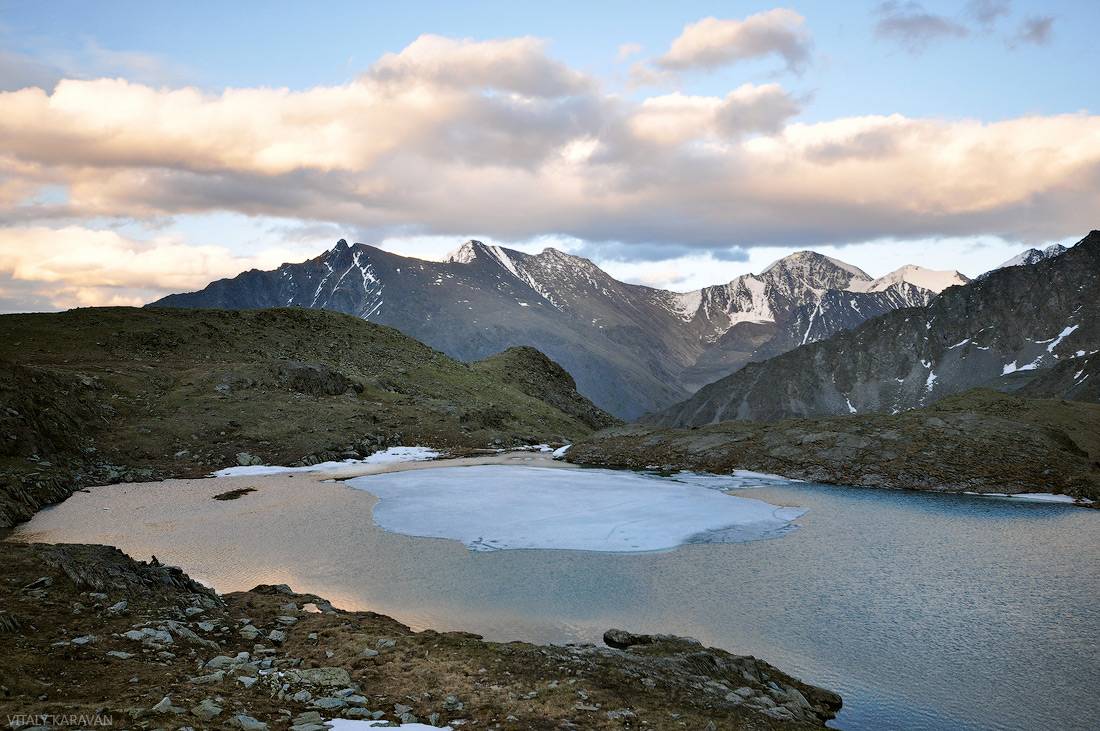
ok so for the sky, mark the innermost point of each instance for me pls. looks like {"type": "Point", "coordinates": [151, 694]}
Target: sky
{"type": "Point", "coordinates": [147, 148]}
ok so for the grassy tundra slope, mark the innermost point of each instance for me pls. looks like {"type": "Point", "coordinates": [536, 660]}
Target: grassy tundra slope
{"type": "Point", "coordinates": [94, 396]}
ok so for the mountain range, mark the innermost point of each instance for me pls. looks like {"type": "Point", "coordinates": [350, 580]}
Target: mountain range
{"type": "Point", "coordinates": [632, 349]}
{"type": "Point", "coordinates": [1032, 326]}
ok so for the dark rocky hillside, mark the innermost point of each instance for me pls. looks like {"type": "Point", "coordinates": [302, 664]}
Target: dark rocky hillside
{"type": "Point", "coordinates": [1003, 331]}
{"type": "Point", "coordinates": [980, 441]}
{"type": "Point", "coordinates": [531, 372]}
{"type": "Point", "coordinates": [103, 395]}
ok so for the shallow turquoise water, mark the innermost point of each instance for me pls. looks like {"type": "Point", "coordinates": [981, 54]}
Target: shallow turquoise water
{"type": "Point", "coordinates": [924, 611]}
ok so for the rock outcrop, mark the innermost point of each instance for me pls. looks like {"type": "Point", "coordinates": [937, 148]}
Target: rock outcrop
{"type": "Point", "coordinates": [981, 441]}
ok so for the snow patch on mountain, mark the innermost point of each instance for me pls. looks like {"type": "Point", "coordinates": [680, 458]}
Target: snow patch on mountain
{"type": "Point", "coordinates": [686, 304]}
{"type": "Point", "coordinates": [930, 279]}
{"type": "Point", "coordinates": [1034, 256]}
{"type": "Point", "coordinates": [1013, 368]}
{"type": "Point", "coordinates": [1060, 337]}
{"type": "Point", "coordinates": [463, 254]}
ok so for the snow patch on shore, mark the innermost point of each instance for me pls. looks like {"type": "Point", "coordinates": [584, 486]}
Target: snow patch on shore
{"type": "Point", "coordinates": [387, 456]}
{"type": "Point", "coordinates": [1036, 497]}
{"type": "Point", "coordinates": [500, 507]}
{"type": "Point", "coordinates": [736, 480]}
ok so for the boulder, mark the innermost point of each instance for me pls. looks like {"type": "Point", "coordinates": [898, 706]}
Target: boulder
{"type": "Point", "coordinates": [330, 677]}
{"type": "Point", "coordinates": [247, 723]}
{"type": "Point", "coordinates": [207, 710]}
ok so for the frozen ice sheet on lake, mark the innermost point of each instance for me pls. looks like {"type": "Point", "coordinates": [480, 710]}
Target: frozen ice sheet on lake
{"type": "Point", "coordinates": [387, 456]}
{"type": "Point", "coordinates": [500, 506]}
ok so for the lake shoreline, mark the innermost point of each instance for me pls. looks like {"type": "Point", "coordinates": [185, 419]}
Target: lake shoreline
{"type": "Point", "coordinates": [169, 652]}
{"type": "Point", "coordinates": [978, 442]}
{"type": "Point", "coordinates": [112, 590]}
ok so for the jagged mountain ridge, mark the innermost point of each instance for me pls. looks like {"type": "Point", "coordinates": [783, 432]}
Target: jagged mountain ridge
{"type": "Point", "coordinates": [1034, 256]}
{"type": "Point", "coordinates": [1033, 328]}
{"type": "Point", "coordinates": [631, 348]}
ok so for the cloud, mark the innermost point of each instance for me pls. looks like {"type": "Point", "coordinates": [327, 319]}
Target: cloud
{"type": "Point", "coordinates": [73, 266]}
{"type": "Point", "coordinates": [626, 50]}
{"type": "Point", "coordinates": [642, 75]}
{"type": "Point", "coordinates": [987, 12]}
{"type": "Point", "coordinates": [517, 65]}
{"type": "Point", "coordinates": [535, 150]}
{"type": "Point", "coordinates": [675, 118]}
{"type": "Point", "coordinates": [1035, 30]}
{"type": "Point", "coordinates": [713, 42]}
{"type": "Point", "coordinates": [642, 254]}
{"type": "Point", "coordinates": [910, 25]}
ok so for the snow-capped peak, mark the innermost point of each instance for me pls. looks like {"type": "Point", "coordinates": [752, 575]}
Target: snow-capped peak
{"type": "Point", "coordinates": [806, 275]}
{"type": "Point", "coordinates": [930, 279]}
{"type": "Point", "coordinates": [474, 250]}
{"type": "Point", "coordinates": [806, 261]}
{"type": "Point", "coordinates": [465, 253]}
{"type": "Point", "coordinates": [1034, 256]}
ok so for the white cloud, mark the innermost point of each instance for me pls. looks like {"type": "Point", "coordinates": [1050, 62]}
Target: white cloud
{"type": "Point", "coordinates": [675, 118]}
{"type": "Point", "coordinates": [455, 138]}
{"type": "Point", "coordinates": [75, 266]}
{"type": "Point", "coordinates": [518, 65]}
{"type": "Point", "coordinates": [713, 42]}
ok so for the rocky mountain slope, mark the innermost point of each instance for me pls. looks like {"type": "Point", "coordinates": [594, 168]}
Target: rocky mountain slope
{"type": "Point", "coordinates": [980, 441]}
{"type": "Point", "coordinates": [1002, 331]}
{"type": "Point", "coordinates": [97, 396]}
{"type": "Point", "coordinates": [531, 372]}
{"type": "Point", "coordinates": [631, 349]}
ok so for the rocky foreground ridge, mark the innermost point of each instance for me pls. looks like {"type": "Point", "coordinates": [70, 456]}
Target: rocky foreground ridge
{"type": "Point", "coordinates": [979, 441]}
{"type": "Point", "coordinates": [87, 632]}
{"type": "Point", "coordinates": [105, 395]}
